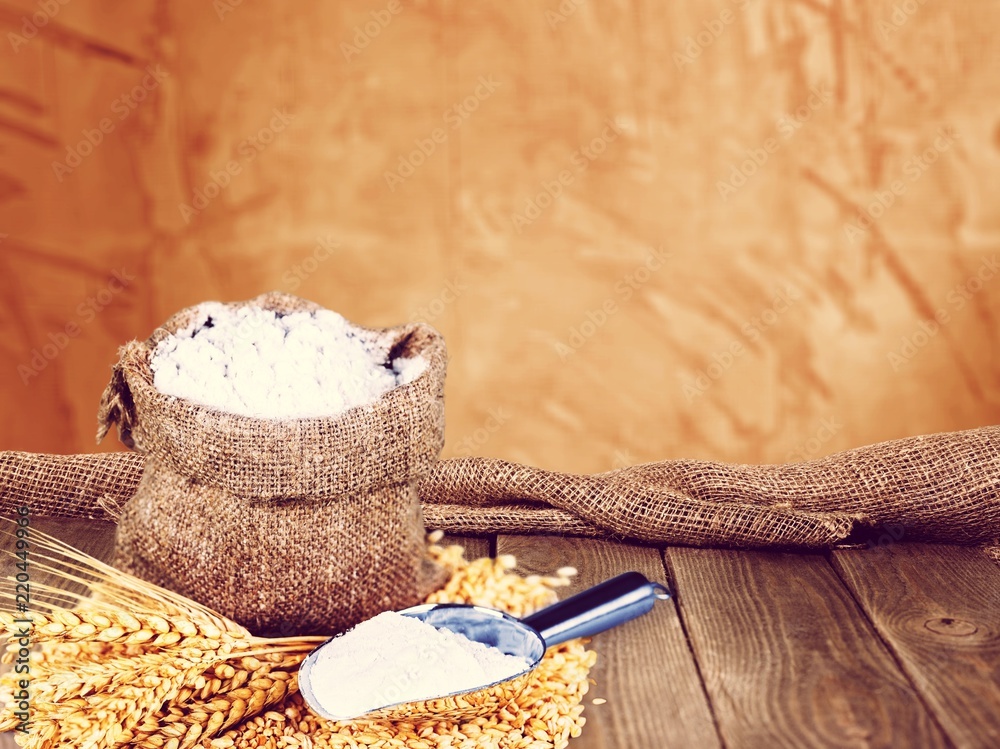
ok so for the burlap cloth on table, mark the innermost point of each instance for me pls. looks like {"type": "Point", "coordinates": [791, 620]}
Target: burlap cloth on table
{"type": "Point", "coordinates": [939, 487]}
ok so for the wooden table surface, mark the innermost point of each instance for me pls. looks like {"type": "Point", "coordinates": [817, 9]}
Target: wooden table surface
{"type": "Point", "coordinates": [896, 646]}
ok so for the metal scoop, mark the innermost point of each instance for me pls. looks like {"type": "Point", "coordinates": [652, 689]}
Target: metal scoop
{"type": "Point", "coordinates": [587, 613]}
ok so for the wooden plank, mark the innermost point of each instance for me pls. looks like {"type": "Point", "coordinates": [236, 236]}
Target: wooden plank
{"type": "Point", "coordinates": [475, 547]}
{"type": "Point", "coordinates": [938, 609]}
{"type": "Point", "coordinates": [788, 659]}
{"type": "Point", "coordinates": [644, 668]}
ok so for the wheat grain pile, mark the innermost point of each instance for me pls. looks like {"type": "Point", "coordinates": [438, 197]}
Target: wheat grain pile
{"type": "Point", "coordinates": [134, 665]}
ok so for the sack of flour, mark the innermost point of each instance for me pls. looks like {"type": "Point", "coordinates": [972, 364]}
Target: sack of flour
{"type": "Point", "coordinates": [276, 491]}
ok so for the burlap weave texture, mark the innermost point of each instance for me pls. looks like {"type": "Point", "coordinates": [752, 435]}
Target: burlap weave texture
{"type": "Point", "coordinates": [940, 487]}
{"type": "Point", "coordinates": [273, 522]}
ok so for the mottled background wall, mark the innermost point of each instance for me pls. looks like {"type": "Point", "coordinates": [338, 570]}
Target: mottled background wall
{"type": "Point", "coordinates": [757, 230]}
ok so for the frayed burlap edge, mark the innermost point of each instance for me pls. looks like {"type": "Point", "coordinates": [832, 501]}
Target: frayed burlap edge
{"type": "Point", "coordinates": [480, 496]}
{"type": "Point", "coordinates": [399, 434]}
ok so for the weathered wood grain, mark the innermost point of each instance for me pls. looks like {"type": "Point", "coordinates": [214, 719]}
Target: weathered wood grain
{"type": "Point", "coordinates": [787, 658]}
{"type": "Point", "coordinates": [474, 547]}
{"type": "Point", "coordinates": [938, 609]}
{"type": "Point", "coordinates": [644, 668]}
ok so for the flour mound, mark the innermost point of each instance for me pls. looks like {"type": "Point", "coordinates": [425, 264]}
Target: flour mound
{"type": "Point", "coordinates": [392, 658]}
{"type": "Point", "coordinates": [256, 362]}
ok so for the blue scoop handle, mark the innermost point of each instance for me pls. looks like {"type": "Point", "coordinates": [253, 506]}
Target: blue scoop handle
{"type": "Point", "coordinates": [597, 609]}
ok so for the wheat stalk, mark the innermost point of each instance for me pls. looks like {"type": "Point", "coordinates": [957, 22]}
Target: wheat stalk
{"type": "Point", "coordinates": [159, 671]}
{"type": "Point", "coordinates": [127, 663]}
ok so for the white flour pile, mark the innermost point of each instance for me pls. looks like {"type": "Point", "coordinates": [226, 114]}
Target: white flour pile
{"type": "Point", "coordinates": [393, 658]}
{"type": "Point", "coordinates": [255, 362]}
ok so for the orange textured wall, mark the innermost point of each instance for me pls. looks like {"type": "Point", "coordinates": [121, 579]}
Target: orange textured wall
{"type": "Point", "coordinates": [753, 230]}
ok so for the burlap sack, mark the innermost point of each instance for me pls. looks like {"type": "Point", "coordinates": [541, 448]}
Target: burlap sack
{"type": "Point", "coordinates": [299, 525]}
{"type": "Point", "coordinates": [939, 487]}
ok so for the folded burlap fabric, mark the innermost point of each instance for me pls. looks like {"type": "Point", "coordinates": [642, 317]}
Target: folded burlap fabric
{"type": "Point", "coordinates": [939, 487]}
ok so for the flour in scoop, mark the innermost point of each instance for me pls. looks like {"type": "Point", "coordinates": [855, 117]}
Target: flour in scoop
{"type": "Point", "coordinates": [255, 362]}
{"type": "Point", "coordinates": [393, 658]}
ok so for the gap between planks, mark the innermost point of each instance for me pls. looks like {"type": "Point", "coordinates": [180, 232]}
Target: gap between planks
{"type": "Point", "coordinates": [937, 609]}
{"type": "Point", "coordinates": [788, 658]}
{"type": "Point", "coordinates": [644, 668]}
